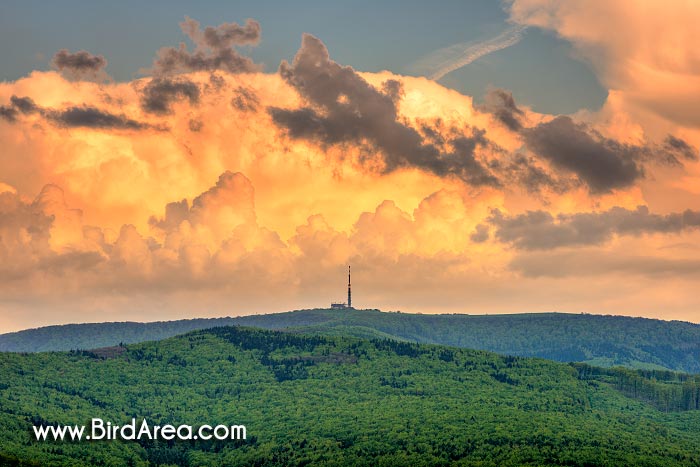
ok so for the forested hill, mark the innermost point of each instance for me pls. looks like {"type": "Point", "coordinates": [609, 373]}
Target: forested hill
{"type": "Point", "coordinates": [309, 400]}
{"type": "Point", "coordinates": [595, 339]}
{"type": "Point", "coordinates": [599, 340]}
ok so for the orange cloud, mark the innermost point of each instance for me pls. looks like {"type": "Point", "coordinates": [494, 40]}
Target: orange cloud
{"type": "Point", "coordinates": [642, 50]}
{"type": "Point", "coordinates": [215, 192]}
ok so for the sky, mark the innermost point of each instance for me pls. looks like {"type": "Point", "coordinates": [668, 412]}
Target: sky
{"type": "Point", "coordinates": [174, 160]}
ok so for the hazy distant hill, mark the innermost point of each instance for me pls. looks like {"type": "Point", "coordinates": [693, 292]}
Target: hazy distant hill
{"type": "Point", "coordinates": [599, 340]}
{"type": "Point", "coordinates": [94, 335]}
{"type": "Point", "coordinates": [309, 400]}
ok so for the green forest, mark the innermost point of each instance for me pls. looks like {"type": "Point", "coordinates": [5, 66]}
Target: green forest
{"type": "Point", "coordinates": [597, 340]}
{"type": "Point", "coordinates": [312, 399]}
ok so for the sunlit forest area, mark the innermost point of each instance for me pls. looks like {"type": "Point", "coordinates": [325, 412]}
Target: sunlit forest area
{"type": "Point", "coordinates": [336, 400]}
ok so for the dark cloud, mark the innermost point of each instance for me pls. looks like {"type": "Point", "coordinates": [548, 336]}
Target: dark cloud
{"type": "Point", "coordinates": [481, 234]}
{"type": "Point", "coordinates": [9, 113]}
{"type": "Point", "coordinates": [18, 105]}
{"type": "Point", "coordinates": [160, 93]}
{"type": "Point", "coordinates": [602, 163]}
{"type": "Point", "coordinates": [539, 230]}
{"type": "Point", "coordinates": [676, 147]}
{"type": "Point", "coordinates": [195, 125]}
{"type": "Point", "coordinates": [462, 161]}
{"type": "Point", "coordinates": [216, 82]}
{"type": "Point", "coordinates": [79, 64]}
{"type": "Point", "coordinates": [24, 104]}
{"type": "Point", "coordinates": [72, 117]}
{"type": "Point", "coordinates": [179, 60]}
{"type": "Point", "coordinates": [510, 168]}
{"type": "Point", "coordinates": [215, 49]}
{"type": "Point", "coordinates": [393, 88]}
{"type": "Point", "coordinates": [92, 117]}
{"type": "Point", "coordinates": [245, 100]}
{"type": "Point", "coordinates": [226, 35]}
{"type": "Point", "coordinates": [521, 170]}
{"type": "Point", "coordinates": [344, 108]}
{"type": "Point", "coordinates": [501, 105]}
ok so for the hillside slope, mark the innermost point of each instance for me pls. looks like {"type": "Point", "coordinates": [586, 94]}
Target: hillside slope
{"type": "Point", "coordinates": [599, 340]}
{"type": "Point", "coordinates": [338, 401]}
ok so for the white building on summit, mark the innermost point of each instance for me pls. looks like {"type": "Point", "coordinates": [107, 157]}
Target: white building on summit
{"type": "Point", "coordinates": [341, 305]}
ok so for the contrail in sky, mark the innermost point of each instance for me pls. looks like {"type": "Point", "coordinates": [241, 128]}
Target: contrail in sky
{"type": "Point", "coordinates": [443, 61]}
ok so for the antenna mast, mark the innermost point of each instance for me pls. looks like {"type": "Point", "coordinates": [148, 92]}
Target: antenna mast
{"type": "Point", "coordinates": [349, 290]}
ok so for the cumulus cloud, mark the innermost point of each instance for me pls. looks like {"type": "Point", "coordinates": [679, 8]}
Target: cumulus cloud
{"type": "Point", "coordinates": [217, 234]}
{"type": "Point", "coordinates": [24, 234]}
{"type": "Point", "coordinates": [644, 54]}
{"type": "Point", "coordinates": [44, 235]}
{"type": "Point", "coordinates": [372, 169]}
{"type": "Point", "coordinates": [345, 108]}
{"type": "Point", "coordinates": [214, 243]}
{"type": "Point", "coordinates": [540, 230]}
{"type": "Point", "coordinates": [216, 212]}
{"type": "Point", "coordinates": [81, 64]}
{"type": "Point", "coordinates": [213, 246]}
{"type": "Point", "coordinates": [321, 244]}
{"type": "Point", "coordinates": [215, 49]}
